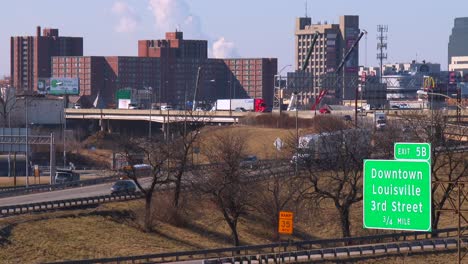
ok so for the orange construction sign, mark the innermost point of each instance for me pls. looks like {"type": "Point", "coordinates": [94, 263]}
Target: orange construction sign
{"type": "Point", "coordinates": [285, 223]}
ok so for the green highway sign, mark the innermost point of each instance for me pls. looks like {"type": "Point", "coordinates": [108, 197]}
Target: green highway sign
{"type": "Point", "coordinates": [397, 195]}
{"type": "Point", "coordinates": [412, 151]}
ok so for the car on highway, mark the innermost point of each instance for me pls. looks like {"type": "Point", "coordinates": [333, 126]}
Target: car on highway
{"type": "Point", "coordinates": [66, 176]}
{"type": "Point", "coordinates": [301, 159]}
{"type": "Point", "coordinates": [133, 106]}
{"type": "Point", "coordinates": [240, 109]}
{"type": "Point", "coordinates": [249, 162]}
{"type": "Point", "coordinates": [166, 107]}
{"type": "Point", "coordinates": [123, 187]}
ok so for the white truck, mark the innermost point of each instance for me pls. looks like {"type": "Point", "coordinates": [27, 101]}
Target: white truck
{"type": "Point", "coordinates": [380, 120]}
{"type": "Point", "coordinates": [256, 105]}
{"type": "Point", "coordinates": [327, 146]}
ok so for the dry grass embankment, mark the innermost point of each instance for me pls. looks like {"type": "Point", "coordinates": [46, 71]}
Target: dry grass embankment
{"type": "Point", "coordinates": [115, 229]}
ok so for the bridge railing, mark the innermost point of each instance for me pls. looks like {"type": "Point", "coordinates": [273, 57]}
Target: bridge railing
{"type": "Point", "coordinates": [284, 250]}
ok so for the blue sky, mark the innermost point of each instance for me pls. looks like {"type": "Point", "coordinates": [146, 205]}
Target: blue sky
{"type": "Point", "coordinates": [241, 28]}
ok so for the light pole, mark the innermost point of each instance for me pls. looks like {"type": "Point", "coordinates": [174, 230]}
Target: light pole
{"type": "Point", "coordinates": [297, 142]}
{"type": "Point", "coordinates": [64, 127]}
{"type": "Point", "coordinates": [230, 96]}
{"type": "Point", "coordinates": [422, 92]}
{"type": "Point", "coordinates": [27, 141]}
{"type": "Point", "coordinates": [150, 89]}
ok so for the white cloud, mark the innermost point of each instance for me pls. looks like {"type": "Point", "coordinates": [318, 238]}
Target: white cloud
{"type": "Point", "coordinates": [171, 15]}
{"type": "Point", "coordinates": [128, 18]}
{"type": "Point", "coordinates": [120, 8]}
{"type": "Point", "coordinates": [224, 49]}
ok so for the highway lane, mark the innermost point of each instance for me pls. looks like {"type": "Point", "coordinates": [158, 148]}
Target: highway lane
{"type": "Point", "coordinates": [104, 189]}
{"type": "Point", "coordinates": [81, 192]}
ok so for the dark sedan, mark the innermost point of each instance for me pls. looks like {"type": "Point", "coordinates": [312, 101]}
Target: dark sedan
{"type": "Point", "coordinates": [123, 187]}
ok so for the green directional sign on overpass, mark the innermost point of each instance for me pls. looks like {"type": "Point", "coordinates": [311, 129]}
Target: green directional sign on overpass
{"type": "Point", "coordinates": [397, 195]}
{"type": "Point", "coordinates": [412, 151]}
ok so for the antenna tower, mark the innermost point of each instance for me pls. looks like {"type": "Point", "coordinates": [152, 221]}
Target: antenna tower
{"type": "Point", "coordinates": [306, 10]}
{"type": "Point", "coordinates": [382, 46]}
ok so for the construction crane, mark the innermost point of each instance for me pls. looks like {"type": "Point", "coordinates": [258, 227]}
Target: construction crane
{"type": "Point", "coordinates": [293, 102]}
{"type": "Point", "coordinates": [337, 71]}
{"type": "Point", "coordinates": [195, 93]}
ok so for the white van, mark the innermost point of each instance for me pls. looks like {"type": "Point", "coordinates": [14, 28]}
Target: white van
{"type": "Point", "coordinates": [166, 107]}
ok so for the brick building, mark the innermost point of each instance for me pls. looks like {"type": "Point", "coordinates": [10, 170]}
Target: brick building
{"type": "Point", "coordinates": [5, 82]}
{"type": "Point", "coordinates": [235, 78]}
{"type": "Point", "coordinates": [333, 42]}
{"type": "Point", "coordinates": [253, 78]}
{"type": "Point", "coordinates": [168, 69]}
{"type": "Point", "coordinates": [31, 56]}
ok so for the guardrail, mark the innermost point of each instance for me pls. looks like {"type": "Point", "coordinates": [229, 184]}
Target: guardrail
{"type": "Point", "coordinates": [13, 188]}
{"type": "Point", "coordinates": [52, 187]}
{"type": "Point", "coordinates": [68, 203]}
{"type": "Point", "coordinates": [285, 251]}
{"type": "Point", "coordinates": [46, 169]}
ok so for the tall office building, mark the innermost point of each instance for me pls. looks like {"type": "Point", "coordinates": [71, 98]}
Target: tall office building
{"type": "Point", "coordinates": [333, 42]}
{"type": "Point", "coordinates": [31, 56]}
{"type": "Point", "coordinates": [457, 45]}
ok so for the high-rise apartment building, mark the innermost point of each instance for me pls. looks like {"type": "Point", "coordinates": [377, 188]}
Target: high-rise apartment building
{"type": "Point", "coordinates": [458, 39]}
{"type": "Point", "coordinates": [31, 56]}
{"type": "Point", "coordinates": [333, 42]}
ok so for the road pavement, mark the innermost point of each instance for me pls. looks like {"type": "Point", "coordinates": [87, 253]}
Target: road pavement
{"type": "Point", "coordinates": [81, 192]}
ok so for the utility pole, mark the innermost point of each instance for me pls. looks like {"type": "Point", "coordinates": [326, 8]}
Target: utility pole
{"type": "Point", "coordinates": [27, 140]}
{"type": "Point", "coordinates": [381, 46]}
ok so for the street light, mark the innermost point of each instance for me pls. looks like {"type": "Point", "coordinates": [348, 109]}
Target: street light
{"type": "Point", "coordinates": [150, 89]}
{"type": "Point", "coordinates": [422, 92]}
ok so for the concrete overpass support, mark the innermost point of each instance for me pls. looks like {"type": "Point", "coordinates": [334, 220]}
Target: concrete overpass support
{"type": "Point", "coordinates": [103, 124]}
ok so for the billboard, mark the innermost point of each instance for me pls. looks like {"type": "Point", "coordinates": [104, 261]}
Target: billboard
{"type": "Point", "coordinates": [64, 86]}
{"type": "Point", "coordinates": [123, 103]}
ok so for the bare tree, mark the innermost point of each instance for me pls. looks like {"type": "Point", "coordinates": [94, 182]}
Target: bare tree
{"type": "Point", "coordinates": [224, 185]}
{"type": "Point", "coordinates": [187, 133]}
{"type": "Point", "coordinates": [449, 162]}
{"type": "Point", "coordinates": [277, 194]}
{"type": "Point", "coordinates": [384, 140]}
{"type": "Point", "coordinates": [156, 153]}
{"type": "Point", "coordinates": [7, 104]}
{"type": "Point", "coordinates": [334, 169]}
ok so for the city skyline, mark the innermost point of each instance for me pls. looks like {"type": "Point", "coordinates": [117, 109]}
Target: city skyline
{"type": "Point", "coordinates": [263, 28]}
